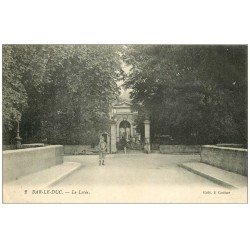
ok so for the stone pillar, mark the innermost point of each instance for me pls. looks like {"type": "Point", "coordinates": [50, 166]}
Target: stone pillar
{"type": "Point", "coordinates": [113, 137]}
{"type": "Point", "coordinates": [147, 135]}
{"type": "Point", "coordinates": [117, 131]}
{"type": "Point", "coordinates": [132, 130]}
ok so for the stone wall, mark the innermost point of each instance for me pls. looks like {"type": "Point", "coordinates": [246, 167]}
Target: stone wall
{"type": "Point", "coordinates": [231, 159]}
{"type": "Point", "coordinates": [9, 147]}
{"type": "Point", "coordinates": [30, 145]}
{"type": "Point", "coordinates": [21, 162]}
{"type": "Point", "coordinates": [180, 149]}
{"type": "Point", "coordinates": [79, 149]}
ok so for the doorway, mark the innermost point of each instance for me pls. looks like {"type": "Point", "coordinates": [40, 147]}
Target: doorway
{"type": "Point", "coordinates": [125, 130]}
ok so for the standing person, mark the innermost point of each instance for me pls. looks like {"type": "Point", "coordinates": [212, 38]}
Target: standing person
{"type": "Point", "coordinates": [102, 151]}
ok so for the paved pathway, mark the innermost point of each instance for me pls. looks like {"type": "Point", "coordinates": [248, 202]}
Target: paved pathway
{"type": "Point", "coordinates": [134, 169]}
{"type": "Point", "coordinates": [142, 178]}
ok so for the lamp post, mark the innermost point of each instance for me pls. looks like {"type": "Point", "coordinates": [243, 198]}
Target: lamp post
{"type": "Point", "coordinates": [18, 138]}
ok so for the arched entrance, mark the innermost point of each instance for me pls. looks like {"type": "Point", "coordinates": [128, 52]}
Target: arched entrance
{"type": "Point", "coordinates": [122, 126]}
{"type": "Point", "coordinates": [124, 130]}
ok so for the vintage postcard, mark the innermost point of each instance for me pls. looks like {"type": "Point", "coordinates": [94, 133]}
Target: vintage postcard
{"type": "Point", "coordinates": [124, 123]}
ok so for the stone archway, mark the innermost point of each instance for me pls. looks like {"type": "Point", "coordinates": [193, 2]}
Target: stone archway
{"type": "Point", "coordinates": [118, 127]}
{"type": "Point", "coordinates": [125, 130]}
{"type": "Point", "coordinates": [122, 124]}
{"type": "Point", "coordinates": [115, 133]}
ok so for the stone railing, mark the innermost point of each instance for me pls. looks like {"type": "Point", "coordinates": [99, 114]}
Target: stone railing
{"type": "Point", "coordinates": [180, 149]}
{"type": "Point", "coordinates": [21, 162]}
{"type": "Point", "coordinates": [79, 150]}
{"type": "Point", "coordinates": [231, 159]}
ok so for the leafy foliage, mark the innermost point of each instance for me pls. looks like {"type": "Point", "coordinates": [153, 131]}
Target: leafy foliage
{"type": "Point", "coordinates": [197, 94]}
{"type": "Point", "coordinates": [64, 91]}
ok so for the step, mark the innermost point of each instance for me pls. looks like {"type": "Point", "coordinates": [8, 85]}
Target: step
{"type": "Point", "coordinates": [47, 177]}
{"type": "Point", "coordinates": [219, 176]}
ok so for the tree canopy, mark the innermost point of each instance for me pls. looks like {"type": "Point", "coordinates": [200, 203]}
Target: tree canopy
{"type": "Point", "coordinates": [197, 94]}
{"type": "Point", "coordinates": [62, 93]}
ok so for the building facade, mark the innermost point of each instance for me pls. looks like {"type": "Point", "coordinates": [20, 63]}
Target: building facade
{"type": "Point", "coordinates": [123, 126]}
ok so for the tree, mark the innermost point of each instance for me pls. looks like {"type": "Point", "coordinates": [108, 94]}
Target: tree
{"type": "Point", "coordinates": [195, 93]}
{"type": "Point", "coordinates": [14, 93]}
{"type": "Point", "coordinates": [69, 90]}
